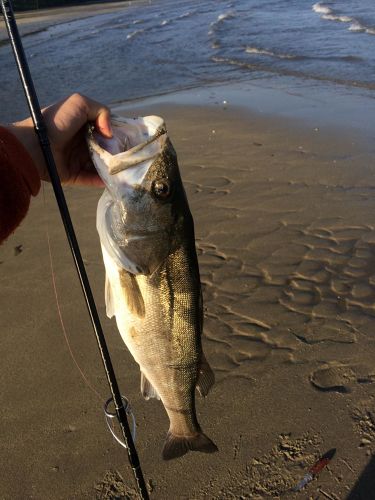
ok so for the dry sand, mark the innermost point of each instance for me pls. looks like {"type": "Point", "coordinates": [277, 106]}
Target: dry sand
{"type": "Point", "coordinates": [285, 226]}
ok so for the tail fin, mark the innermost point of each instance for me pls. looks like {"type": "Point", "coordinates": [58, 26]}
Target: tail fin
{"type": "Point", "coordinates": [176, 446]}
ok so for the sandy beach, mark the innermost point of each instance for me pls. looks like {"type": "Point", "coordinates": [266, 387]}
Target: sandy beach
{"type": "Point", "coordinates": [285, 235]}
{"type": "Point", "coordinates": [285, 231]}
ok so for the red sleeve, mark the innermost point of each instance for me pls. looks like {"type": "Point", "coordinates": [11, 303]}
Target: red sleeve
{"type": "Point", "coordinates": [19, 179]}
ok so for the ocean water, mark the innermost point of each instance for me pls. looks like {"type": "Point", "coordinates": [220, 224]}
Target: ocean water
{"type": "Point", "coordinates": [156, 47]}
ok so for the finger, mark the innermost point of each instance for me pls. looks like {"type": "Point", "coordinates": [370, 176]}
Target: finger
{"type": "Point", "coordinates": [103, 123]}
{"type": "Point", "coordinates": [100, 115]}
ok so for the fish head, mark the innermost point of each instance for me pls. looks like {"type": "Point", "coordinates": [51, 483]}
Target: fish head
{"type": "Point", "coordinates": [144, 200]}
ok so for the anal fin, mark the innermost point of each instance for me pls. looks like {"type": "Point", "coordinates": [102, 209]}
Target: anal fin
{"type": "Point", "coordinates": [147, 389]}
{"type": "Point", "coordinates": [206, 377]}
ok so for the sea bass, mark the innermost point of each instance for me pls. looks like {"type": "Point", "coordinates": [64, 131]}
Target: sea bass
{"type": "Point", "coordinates": [152, 277]}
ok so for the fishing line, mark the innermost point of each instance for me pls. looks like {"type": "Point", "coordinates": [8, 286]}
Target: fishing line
{"type": "Point", "coordinates": [59, 312]}
{"type": "Point", "coordinates": [109, 416]}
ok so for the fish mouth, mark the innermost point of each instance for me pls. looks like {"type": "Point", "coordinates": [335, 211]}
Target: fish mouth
{"type": "Point", "coordinates": [135, 141]}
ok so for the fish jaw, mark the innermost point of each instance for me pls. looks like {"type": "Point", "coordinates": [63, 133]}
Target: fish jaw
{"type": "Point", "coordinates": [124, 160]}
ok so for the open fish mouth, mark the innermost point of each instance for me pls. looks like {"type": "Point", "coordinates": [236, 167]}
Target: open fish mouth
{"type": "Point", "coordinates": [134, 141]}
{"type": "Point", "coordinates": [129, 221]}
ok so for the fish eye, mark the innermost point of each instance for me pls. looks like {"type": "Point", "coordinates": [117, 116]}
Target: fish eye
{"type": "Point", "coordinates": [161, 188]}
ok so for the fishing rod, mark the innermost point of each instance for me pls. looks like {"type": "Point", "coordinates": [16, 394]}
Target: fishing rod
{"type": "Point", "coordinates": [41, 131]}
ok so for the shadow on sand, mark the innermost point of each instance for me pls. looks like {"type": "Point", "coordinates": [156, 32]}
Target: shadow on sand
{"type": "Point", "coordinates": [364, 488]}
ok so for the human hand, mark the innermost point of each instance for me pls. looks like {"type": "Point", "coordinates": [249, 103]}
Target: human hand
{"type": "Point", "coordinates": [65, 122]}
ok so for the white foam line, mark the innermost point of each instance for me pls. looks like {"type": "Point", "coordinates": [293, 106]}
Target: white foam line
{"type": "Point", "coordinates": [329, 15]}
{"type": "Point", "coordinates": [134, 33]}
{"type": "Point", "coordinates": [186, 14]}
{"type": "Point", "coordinates": [321, 8]}
{"type": "Point", "coordinates": [222, 17]}
{"type": "Point", "coordinates": [356, 26]}
{"type": "Point", "coordinates": [255, 50]}
{"type": "Point", "coordinates": [341, 19]}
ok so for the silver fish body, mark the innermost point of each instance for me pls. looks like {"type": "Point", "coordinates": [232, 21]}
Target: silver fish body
{"type": "Point", "coordinates": [152, 276]}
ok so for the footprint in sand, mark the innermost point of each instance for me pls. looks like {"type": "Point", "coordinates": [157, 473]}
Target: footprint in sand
{"type": "Point", "coordinates": [363, 416]}
{"type": "Point", "coordinates": [340, 378]}
{"type": "Point", "coordinates": [113, 486]}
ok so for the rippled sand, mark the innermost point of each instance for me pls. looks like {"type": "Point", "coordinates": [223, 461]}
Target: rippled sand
{"type": "Point", "coordinates": [285, 227]}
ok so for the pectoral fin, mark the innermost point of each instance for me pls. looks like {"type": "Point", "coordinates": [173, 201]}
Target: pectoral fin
{"type": "Point", "coordinates": [206, 377]}
{"type": "Point", "coordinates": [147, 389]}
{"type": "Point", "coordinates": [132, 293]}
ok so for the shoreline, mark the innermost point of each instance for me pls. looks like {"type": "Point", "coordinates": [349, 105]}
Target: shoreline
{"type": "Point", "coordinates": [316, 103]}
{"type": "Point", "coordinates": [32, 22]}
{"type": "Point", "coordinates": [325, 108]}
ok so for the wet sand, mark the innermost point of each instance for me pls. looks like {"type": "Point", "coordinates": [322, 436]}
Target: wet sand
{"type": "Point", "coordinates": [30, 22]}
{"type": "Point", "coordinates": [285, 226]}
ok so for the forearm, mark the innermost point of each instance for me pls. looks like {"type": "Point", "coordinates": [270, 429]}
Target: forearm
{"type": "Point", "coordinates": [25, 134]}
{"type": "Point", "coordinates": [22, 164]}
{"type": "Point", "coordinates": [19, 180]}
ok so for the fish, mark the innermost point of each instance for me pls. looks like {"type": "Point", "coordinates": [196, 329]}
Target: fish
{"type": "Point", "coordinates": [152, 284]}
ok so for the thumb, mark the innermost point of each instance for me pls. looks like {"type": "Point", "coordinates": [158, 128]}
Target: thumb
{"type": "Point", "coordinates": [103, 122]}
{"type": "Point", "coordinates": [97, 113]}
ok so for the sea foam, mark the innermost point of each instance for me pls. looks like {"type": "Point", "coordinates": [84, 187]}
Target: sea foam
{"type": "Point", "coordinates": [265, 52]}
{"type": "Point", "coordinates": [341, 19]}
{"type": "Point", "coordinates": [329, 14]}
{"type": "Point", "coordinates": [321, 8]}
{"type": "Point", "coordinates": [134, 33]}
{"type": "Point", "coordinates": [356, 26]}
{"type": "Point", "coordinates": [220, 19]}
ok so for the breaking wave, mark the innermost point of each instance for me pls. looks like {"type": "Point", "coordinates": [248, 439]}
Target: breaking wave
{"type": "Point", "coordinates": [220, 19]}
{"type": "Point", "coordinates": [265, 52]}
{"type": "Point", "coordinates": [329, 14]}
{"type": "Point", "coordinates": [341, 19]}
{"type": "Point", "coordinates": [263, 68]}
{"type": "Point", "coordinates": [186, 14]}
{"type": "Point", "coordinates": [134, 33]}
{"type": "Point", "coordinates": [321, 8]}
